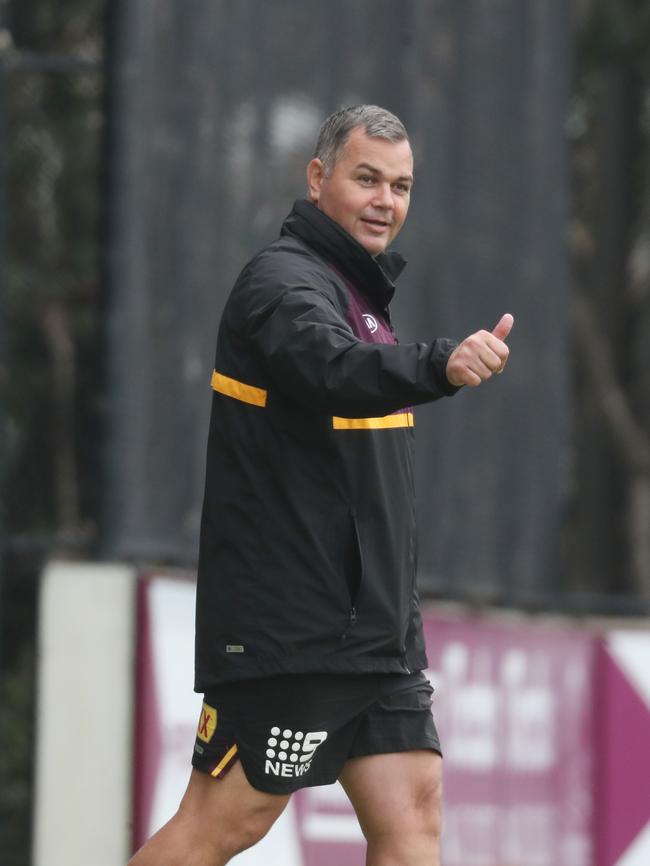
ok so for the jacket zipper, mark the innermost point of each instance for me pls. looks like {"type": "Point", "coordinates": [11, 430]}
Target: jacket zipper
{"type": "Point", "coordinates": [352, 621]}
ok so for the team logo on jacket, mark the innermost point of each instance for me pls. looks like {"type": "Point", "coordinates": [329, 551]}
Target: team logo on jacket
{"type": "Point", "coordinates": [289, 754]}
{"type": "Point", "coordinates": [371, 322]}
{"type": "Point", "coordinates": [207, 723]}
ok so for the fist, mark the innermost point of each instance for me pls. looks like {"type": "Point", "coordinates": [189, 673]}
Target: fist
{"type": "Point", "coordinates": [480, 355]}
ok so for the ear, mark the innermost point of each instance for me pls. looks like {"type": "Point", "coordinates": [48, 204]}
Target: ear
{"type": "Point", "coordinates": [315, 175]}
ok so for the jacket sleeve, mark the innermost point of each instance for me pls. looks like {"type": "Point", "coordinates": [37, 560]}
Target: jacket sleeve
{"type": "Point", "coordinates": [312, 356]}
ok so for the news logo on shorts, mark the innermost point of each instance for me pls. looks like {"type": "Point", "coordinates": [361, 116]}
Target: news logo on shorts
{"type": "Point", "coordinates": [289, 753]}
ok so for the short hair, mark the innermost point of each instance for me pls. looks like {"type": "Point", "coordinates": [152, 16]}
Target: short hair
{"type": "Point", "coordinates": [376, 122]}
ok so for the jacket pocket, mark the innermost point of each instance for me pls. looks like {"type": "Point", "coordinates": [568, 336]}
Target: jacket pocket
{"type": "Point", "coordinates": [353, 564]}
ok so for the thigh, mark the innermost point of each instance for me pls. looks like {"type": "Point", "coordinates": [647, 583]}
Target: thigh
{"type": "Point", "coordinates": [217, 818]}
{"type": "Point", "coordinates": [394, 775]}
{"type": "Point", "coordinates": [218, 802]}
{"type": "Point", "coordinates": [395, 793]}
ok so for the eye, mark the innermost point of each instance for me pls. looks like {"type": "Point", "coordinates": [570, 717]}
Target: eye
{"type": "Point", "coordinates": [402, 188]}
{"type": "Point", "coordinates": [366, 178]}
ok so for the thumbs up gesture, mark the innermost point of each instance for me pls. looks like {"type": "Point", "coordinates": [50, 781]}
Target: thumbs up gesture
{"type": "Point", "coordinates": [480, 355]}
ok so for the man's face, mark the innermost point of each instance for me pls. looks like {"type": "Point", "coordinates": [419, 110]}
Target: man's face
{"type": "Point", "coordinates": [369, 190]}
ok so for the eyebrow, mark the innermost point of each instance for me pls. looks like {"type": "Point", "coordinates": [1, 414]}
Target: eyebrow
{"type": "Point", "coordinates": [368, 167]}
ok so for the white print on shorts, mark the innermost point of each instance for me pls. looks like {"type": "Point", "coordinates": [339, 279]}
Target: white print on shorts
{"type": "Point", "coordinates": [289, 754]}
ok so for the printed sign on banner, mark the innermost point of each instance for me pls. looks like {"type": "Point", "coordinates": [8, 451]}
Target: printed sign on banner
{"type": "Point", "coordinates": [623, 808]}
{"type": "Point", "coordinates": [513, 709]}
{"type": "Point", "coordinates": [513, 706]}
{"type": "Point", "coordinates": [167, 717]}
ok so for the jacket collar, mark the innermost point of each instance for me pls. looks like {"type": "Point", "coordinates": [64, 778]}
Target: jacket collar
{"type": "Point", "coordinates": [373, 275]}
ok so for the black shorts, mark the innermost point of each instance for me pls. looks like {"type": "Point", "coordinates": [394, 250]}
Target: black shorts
{"type": "Point", "coordinates": [298, 730]}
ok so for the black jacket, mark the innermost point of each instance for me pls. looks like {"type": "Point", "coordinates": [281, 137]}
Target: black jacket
{"type": "Point", "coordinates": [308, 541]}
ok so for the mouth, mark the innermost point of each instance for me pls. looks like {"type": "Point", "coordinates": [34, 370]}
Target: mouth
{"type": "Point", "coordinates": [377, 225]}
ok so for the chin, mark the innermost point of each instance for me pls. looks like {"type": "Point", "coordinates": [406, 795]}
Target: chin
{"type": "Point", "coordinates": [372, 248]}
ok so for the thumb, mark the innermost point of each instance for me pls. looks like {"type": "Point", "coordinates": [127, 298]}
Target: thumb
{"type": "Point", "coordinates": [504, 326]}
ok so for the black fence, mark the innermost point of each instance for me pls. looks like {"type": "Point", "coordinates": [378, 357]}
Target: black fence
{"type": "Point", "coordinates": [214, 117]}
{"type": "Point", "coordinates": [210, 119]}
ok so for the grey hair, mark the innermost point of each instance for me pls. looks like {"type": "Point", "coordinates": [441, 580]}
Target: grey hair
{"type": "Point", "coordinates": [376, 122]}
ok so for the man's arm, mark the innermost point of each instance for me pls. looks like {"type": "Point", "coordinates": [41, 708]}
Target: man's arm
{"type": "Point", "coordinates": [312, 355]}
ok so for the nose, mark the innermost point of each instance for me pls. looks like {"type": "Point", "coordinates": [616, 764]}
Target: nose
{"type": "Point", "coordinates": [383, 196]}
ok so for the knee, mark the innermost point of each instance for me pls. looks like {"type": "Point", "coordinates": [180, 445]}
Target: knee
{"type": "Point", "coordinates": [417, 815]}
{"type": "Point", "coordinates": [248, 830]}
{"type": "Point", "coordinates": [426, 809]}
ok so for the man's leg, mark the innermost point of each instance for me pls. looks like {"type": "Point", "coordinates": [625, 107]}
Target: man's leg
{"type": "Point", "coordinates": [217, 818]}
{"type": "Point", "coordinates": [397, 799]}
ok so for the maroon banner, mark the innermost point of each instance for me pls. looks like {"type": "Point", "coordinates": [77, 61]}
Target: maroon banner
{"type": "Point", "coordinates": [515, 709]}
{"type": "Point", "coordinates": [623, 748]}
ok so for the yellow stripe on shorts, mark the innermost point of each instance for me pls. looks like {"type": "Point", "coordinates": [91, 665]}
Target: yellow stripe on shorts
{"type": "Point", "coordinates": [223, 763]}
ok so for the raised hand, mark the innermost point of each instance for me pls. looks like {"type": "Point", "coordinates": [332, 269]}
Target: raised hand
{"type": "Point", "coordinates": [480, 355]}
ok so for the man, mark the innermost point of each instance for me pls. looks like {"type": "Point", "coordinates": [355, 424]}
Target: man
{"type": "Point", "coordinates": [309, 645]}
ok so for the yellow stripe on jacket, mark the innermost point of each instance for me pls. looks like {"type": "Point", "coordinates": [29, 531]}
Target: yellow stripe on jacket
{"type": "Point", "coordinates": [238, 390]}
{"type": "Point", "coordinates": [400, 419]}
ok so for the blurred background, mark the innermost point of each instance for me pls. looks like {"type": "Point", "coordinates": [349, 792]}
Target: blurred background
{"type": "Point", "coordinates": [148, 149]}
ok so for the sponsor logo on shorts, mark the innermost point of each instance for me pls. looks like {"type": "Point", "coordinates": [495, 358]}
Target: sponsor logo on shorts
{"type": "Point", "coordinates": [289, 753]}
{"type": "Point", "coordinates": [207, 723]}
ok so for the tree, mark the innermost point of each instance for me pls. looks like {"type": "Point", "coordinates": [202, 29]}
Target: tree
{"type": "Point", "coordinates": [610, 527]}
{"type": "Point", "coordinates": [52, 117]}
